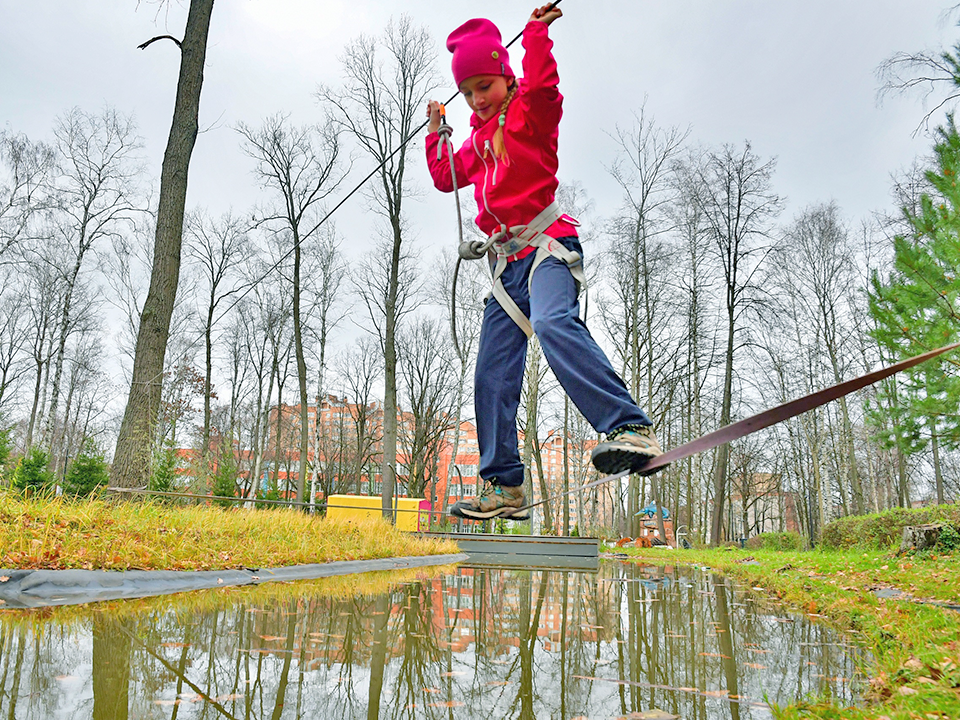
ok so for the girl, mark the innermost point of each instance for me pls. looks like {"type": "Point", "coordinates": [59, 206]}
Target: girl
{"type": "Point", "coordinates": [511, 159]}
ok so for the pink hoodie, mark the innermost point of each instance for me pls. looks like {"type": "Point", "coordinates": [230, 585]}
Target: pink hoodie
{"type": "Point", "coordinates": [514, 194]}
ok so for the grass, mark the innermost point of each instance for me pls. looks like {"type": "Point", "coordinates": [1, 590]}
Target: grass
{"type": "Point", "coordinates": [53, 533]}
{"type": "Point", "coordinates": [914, 647]}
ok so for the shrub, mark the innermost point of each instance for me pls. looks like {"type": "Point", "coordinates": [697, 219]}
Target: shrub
{"type": "Point", "coordinates": [6, 444]}
{"type": "Point", "coordinates": [87, 473]}
{"type": "Point", "coordinates": [164, 469]}
{"type": "Point", "coordinates": [884, 530]}
{"type": "Point", "coordinates": [32, 472]}
{"type": "Point", "coordinates": [225, 479]}
{"type": "Point", "coordinates": [271, 494]}
{"type": "Point", "coordinates": [783, 541]}
{"type": "Point", "coordinates": [949, 539]}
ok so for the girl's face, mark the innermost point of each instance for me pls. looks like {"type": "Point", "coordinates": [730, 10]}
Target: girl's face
{"type": "Point", "coordinates": [485, 94]}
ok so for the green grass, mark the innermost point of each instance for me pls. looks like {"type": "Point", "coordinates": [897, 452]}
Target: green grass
{"type": "Point", "coordinates": [53, 533]}
{"type": "Point", "coordinates": [914, 647]}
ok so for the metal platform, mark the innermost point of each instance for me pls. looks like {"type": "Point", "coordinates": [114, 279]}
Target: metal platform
{"type": "Point", "coordinates": [526, 551]}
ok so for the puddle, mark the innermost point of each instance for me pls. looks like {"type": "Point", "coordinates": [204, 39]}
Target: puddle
{"type": "Point", "coordinates": [483, 642]}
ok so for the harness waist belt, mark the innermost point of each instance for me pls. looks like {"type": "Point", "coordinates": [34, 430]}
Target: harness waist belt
{"type": "Point", "coordinates": [510, 241]}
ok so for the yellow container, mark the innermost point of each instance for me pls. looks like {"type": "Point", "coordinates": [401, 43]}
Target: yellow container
{"type": "Point", "coordinates": [413, 514]}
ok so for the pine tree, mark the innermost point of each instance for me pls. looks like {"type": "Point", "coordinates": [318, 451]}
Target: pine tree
{"type": "Point", "coordinates": [915, 309]}
{"type": "Point", "coordinates": [32, 472]}
{"type": "Point", "coordinates": [225, 477]}
{"type": "Point", "coordinates": [164, 469]}
{"type": "Point", "coordinates": [87, 473]}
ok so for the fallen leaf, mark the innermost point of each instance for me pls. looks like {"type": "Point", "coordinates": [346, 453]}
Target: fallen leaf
{"type": "Point", "coordinates": [756, 666]}
{"type": "Point", "coordinates": [719, 655]}
{"type": "Point", "coordinates": [4, 578]}
{"type": "Point", "coordinates": [446, 704]}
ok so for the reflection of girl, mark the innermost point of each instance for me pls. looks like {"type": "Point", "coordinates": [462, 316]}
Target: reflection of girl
{"type": "Point", "coordinates": [511, 159]}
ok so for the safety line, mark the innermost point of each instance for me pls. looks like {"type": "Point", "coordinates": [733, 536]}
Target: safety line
{"type": "Point", "coordinates": [752, 424]}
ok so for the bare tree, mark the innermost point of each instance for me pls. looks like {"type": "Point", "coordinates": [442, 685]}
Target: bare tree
{"type": "Point", "coordinates": [738, 206]}
{"type": "Point", "coordinates": [926, 72]}
{"type": "Point", "coordinates": [642, 262]}
{"type": "Point", "coordinates": [14, 329]}
{"type": "Point", "coordinates": [43, 291]}
{"type": "Point", "coordinates": [818, 264]}
{"type": "Point", "coordinates": [372, 280]}
{"type": "Point", "coordinates": [131, 462]}
{"type": "Point", "coordinates": [301, 166]}
{"type": "Point", "coordinates": [466, 312]}
{"type": "Point", "coordinates": [126, 267]}
{"type": "Point", "coordinates": [380, 106]}
{"type": "Point", "coordinates": [26, 167]}
{"type": "Point", "coordinates": [326, 269]}
{"type": "Point", "coordinates": [217, 247]}
{"type": "Point", "coordinates": [534, 385]}
{"type": "Point", "coordinates": [96, 192]}
{"type": "Point", "coordinates": [700, 336]}
{"type": "Point", "coordinates": [427, 367]}
{"type": "Point", "coordinates": [359, 370]}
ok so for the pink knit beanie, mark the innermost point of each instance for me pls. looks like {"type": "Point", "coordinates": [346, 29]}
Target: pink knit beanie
{"type": "Point", "coordinates": [478, 50]}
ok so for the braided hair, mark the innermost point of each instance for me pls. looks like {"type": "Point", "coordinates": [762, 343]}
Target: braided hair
{"type": "Point", "coordinates": [499, 148]}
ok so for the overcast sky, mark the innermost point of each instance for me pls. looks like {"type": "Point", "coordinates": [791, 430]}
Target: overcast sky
{"type": "Point", "coordinates": [797, 79]}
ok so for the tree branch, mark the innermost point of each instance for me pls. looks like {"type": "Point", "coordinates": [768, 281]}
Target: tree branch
{"type": "Point", "coordinates": [159, 37]}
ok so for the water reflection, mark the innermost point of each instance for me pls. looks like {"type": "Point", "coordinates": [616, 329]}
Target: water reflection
{"type": "Point", "coordinates": [476, 643]}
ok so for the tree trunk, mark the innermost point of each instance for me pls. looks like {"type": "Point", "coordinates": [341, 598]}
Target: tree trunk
{"type": "Point", "coordinates": [207, 382]}
{"type": "Point", "coordinates": [35, 408]}
{"type": "Point", "coordinates": [301, 372]}
{"type": "Point", "coordinates": [723, 453]}
{"type": "Point", "coordinates": [937, 470]}
{"type": "Point", "coordinates": [51, 431]}
{"type": "Point", "coordinates": [131, 464]}
{"type": "Point", "coordinates": [388, 470]}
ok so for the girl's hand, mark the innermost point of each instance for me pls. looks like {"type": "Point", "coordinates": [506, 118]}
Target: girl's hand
{"type": "Point", "coordinates": [433, 112]}
{"type": "Point", "coordinates": [546, 14]}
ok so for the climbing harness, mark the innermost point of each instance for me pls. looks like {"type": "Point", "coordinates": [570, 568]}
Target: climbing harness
{"type": "Point", "coordinates": [506, 243]}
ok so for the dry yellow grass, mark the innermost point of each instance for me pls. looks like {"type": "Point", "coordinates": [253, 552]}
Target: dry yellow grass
{"type": "Point", "coordinates": [53, 533]}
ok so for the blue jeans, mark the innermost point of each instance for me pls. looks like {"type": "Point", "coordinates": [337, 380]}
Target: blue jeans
{"type": "Point", "coordinates": [574, 356]}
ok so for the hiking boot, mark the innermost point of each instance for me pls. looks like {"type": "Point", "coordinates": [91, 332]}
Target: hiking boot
{"type": "Point", "coordinates": [496, 500]}
{"type": "Point", "coordinates": [627, 448]}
